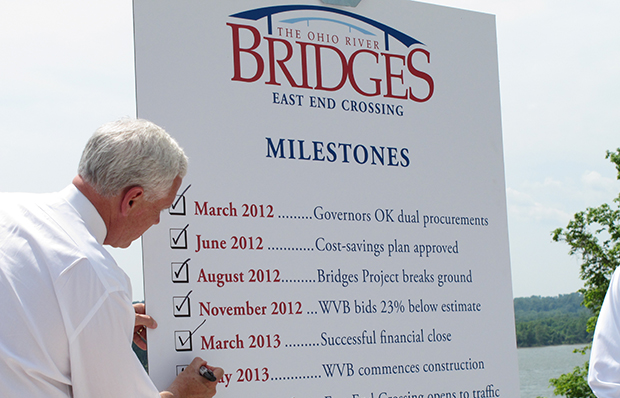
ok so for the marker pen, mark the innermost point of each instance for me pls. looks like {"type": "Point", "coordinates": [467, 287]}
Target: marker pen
{"type": "Point", "coordinates": [207, 373]}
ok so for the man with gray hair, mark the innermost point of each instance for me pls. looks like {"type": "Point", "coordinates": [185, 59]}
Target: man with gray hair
{"type": "Point", "coordinates": [66, 315]}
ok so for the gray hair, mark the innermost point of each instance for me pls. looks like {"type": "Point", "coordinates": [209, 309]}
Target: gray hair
{"type": "Point", "coordinates": [132, 152]}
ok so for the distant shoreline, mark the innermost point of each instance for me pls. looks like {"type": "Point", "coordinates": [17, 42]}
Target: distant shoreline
{"type": "Point", "coordinates": [551, 321]}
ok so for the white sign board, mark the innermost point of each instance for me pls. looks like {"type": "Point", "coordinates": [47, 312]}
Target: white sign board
{"type": "Point", "coordinates": [342, 228]}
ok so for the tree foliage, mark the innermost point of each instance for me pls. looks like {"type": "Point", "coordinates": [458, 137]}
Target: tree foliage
{"type": "Point", "coordinates": [554, 330]}
{"type": "Point", "coordinates": [542, 321]}
{"type": "Point", "coordinates": [594, 236]}
{"type": "Point", "coordinates": [536, 307]}
{"type": "Point", "coordinates": [573, 385]}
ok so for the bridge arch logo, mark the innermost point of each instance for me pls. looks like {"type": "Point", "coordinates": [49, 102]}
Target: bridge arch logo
{"type": "Point", "coordinates": [328, 49]}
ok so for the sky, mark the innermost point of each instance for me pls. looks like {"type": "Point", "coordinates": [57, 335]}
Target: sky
{"type": "Point", "coordinates": [67, 66]}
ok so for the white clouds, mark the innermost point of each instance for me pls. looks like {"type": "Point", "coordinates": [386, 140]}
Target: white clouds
{"type": "Point", "coordinates": [554, 201]}
{"type": "Point", "coordinates": [523, 205]}
{"type": "Point", "coordinates": [594, 181]}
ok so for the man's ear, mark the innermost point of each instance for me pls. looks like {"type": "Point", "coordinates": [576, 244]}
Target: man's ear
{"type": "Point", "coordinates": [131, 197]}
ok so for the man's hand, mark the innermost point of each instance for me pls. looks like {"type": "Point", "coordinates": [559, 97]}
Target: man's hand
{"type": "Point", "coordinates": [143, 321]}
{"type": "Point", "coordinates": [190, 384]}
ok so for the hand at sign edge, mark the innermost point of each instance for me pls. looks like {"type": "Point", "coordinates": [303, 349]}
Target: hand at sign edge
{"type": "Point", "coordinates": [142, 322]}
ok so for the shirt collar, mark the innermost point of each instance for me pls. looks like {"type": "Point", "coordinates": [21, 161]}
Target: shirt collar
{"type": "Point", "coordinates": [93, 221]}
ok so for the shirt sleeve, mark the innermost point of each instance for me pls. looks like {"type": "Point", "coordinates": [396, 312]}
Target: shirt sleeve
{"type": "Point", "coordinates": [604, 373]}
{"type": "Point", "coordinates": [99, 320]}
{"type": "Point", "coordinates": [103, 363]}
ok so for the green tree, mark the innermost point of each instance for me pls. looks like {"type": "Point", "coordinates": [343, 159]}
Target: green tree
{"type": "Point", "coordinates": [573, 385]}
{"type": "Point", "coordinates": [593, 235]}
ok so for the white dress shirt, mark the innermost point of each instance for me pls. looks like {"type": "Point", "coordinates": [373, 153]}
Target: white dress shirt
{"type": "Point", "coordinates": [604, 373]}
{"type": "Point", "coordinates": [66, 317]}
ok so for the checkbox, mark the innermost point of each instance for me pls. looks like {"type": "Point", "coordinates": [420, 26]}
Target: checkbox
{"type": "Point", "coordinates": [181, 306]}
{"type": "Point", "coordinates": [178, 238]}
{"type": "Point", "coordinates": [178, 207]}
{"type": "Point", "coordinates": [180, 272]}
{"type": "Point", "coordinates": [183, 340]}
{"type": "Point", "coordinates": [181, 368]}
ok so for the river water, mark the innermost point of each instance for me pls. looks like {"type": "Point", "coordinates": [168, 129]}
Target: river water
{"type": "Point", "coordinates": [539, 364]}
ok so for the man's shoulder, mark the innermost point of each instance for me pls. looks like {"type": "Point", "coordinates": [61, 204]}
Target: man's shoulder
{"type": "Point", "coordinates": [24, 222]}
{"type": "Point", "coordinates": [14, 204]}
{"type": "Point", "coordinates": [51, 231]}
{"type": "Point", "coordinates": [32, 234]}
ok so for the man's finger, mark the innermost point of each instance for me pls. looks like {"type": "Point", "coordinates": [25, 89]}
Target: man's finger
{"type": "Point", "coordinates": [145, 320]}
{"type": "Point", "coordinates": [139, 308]}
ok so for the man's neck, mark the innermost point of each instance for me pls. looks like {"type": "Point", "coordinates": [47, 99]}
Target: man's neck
{"type": "Point", "coordinates": [103, 204]}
